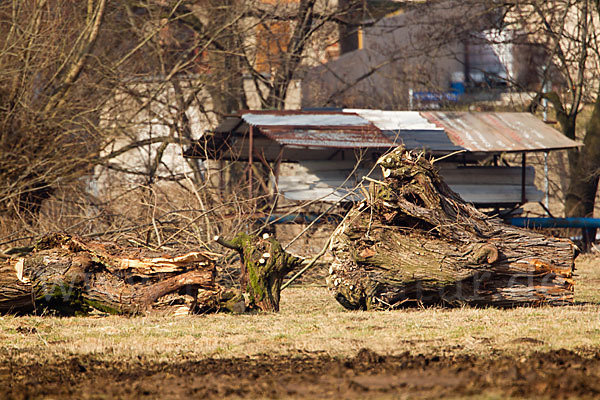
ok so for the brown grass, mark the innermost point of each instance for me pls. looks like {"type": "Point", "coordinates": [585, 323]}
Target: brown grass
{"type": "Point", "coordinates": [312, 321]}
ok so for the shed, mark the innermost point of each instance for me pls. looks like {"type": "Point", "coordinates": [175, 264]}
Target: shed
{"type": "Point", "coordinates": [329, 152]}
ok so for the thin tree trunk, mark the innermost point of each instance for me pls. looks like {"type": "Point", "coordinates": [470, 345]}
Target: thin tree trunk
{"type": "Point", "coordinates": [585, 171]}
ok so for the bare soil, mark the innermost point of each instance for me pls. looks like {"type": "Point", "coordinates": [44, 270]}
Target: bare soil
{"type": "Point", "coordinates": [557, 375]}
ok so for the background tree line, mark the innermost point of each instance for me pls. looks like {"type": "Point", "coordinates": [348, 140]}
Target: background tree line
{"type": "Point", "coordinates": [78, 79]}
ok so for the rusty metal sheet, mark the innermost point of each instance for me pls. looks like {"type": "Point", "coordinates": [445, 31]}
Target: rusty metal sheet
{"type": "Point", "coordinates": [410, 129]}
{"type": "Point", "coordinates": [344, 137]}
{"type": "Point", "coordinates": [317, 129]}
{"type": "Point", "coordinates": [499, 131]}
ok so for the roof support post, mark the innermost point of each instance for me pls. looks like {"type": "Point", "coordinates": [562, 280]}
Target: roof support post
{"type": "Point", "coordinates": [546, 182]}
{"type": "Point", "coordinates": [523, 181]}
{"type": "Point", "coordinates": [250, 160]}
{"type": "Point", "coordinates": [276, 174]}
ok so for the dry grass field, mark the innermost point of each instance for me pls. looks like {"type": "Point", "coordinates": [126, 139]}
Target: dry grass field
{"type": "Point", "coordinates": [313, 348]}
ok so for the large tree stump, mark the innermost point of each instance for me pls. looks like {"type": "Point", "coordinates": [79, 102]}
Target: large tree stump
{"type": "Point", "coordinates": [416, 242]}
{"type": "Point", "coordinates": [66, 274]}
{"type": "Point", "coordinates": [264, 265]}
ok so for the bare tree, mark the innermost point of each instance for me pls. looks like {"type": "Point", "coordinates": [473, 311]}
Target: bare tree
{"type": "Point", "coordinates": [568, 32]}
{"type": "Point", "coordinates": [45, 127]}
{"type": "Point", "coordinates": [88, 84]}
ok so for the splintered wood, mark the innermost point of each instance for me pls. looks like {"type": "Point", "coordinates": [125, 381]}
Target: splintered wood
{"type": "Point", "coordinates": [68, 275]}
{"type": "Point", "coordinates": [416, 242]}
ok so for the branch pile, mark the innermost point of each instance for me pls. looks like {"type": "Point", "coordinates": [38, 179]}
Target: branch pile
{"type": "Point", "coordinates": [416, 242]}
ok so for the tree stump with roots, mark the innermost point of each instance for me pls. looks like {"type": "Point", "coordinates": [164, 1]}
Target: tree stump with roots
{"type": "Point", "coordinates": [264, 265]}
{"type": "Point", "coordinates": [416, 242]}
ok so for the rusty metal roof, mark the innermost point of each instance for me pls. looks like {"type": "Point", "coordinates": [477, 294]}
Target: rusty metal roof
{"type": "Point", "coordinates": [499, 131]}
{"type": "Point", "coordinates": [410, 129]}
{"type": "Point", "coordinates": [318, 129]}
{"type": "Point", "coordinates": [437, 131]}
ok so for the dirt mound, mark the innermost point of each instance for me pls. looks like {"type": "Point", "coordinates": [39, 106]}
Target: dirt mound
{"type": "Point", "coordinates": [558, 374]}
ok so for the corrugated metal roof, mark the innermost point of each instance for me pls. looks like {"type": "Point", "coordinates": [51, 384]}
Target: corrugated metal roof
{"type": "Point", "coordinates": [318, 129]}
{"type": "Point", "coordinates": [306, 119]}
{"type": "Point", "coordinates": [499, 131]}
{"type": "Point", "coordinates": [434, 130]}
{"type": "Point", "coordinates": [410, 129]}
{"type": "Point", "coordinates": [343, 137]}
{"type": "Point", "coordinates": [436, 141]}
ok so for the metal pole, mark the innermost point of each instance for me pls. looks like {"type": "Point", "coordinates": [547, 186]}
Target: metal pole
{"type": "Point", "coordinates": [523, 167]}
{"type": "Point", "coordinates": [250, 151]}
{"type": "Point", "coordinates": [277, 169]}
{"type": "Point", "coordinates": [547, 182]}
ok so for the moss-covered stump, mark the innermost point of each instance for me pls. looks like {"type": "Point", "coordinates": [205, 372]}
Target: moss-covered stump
{"type": "Point", "coordinates": [416, 242]}
{"type": "Point", "coordinates": [264, 265]}
{"type": "Point", "coordinates": [67, 275]}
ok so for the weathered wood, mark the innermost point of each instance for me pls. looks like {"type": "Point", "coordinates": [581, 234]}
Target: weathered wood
{"type": "Point", "coordinates": [264, 265]}
{"type": "Point", "coordinates": [15, 295]}
{"type": "Point", "coordinates": [415, 241]}
{"type": "Point", "coordinates": [65, 274]}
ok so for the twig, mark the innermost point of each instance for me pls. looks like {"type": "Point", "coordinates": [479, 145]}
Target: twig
{"type": "Point", "coordinates": [316, 219]}
{"type": "Point", "coordinates": [314, 260]}
{"type": "Point", "coordinates": [434, 160]}
{"type": "Point", "coordinates": [309, 265]}
{"type": "Point", "coordinates": [374, 180]}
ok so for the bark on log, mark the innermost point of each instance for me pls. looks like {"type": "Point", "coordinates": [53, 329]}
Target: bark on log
{"type": "Point", "coordinates": [68, 275]}
{"type": "Point", "coordinates": [416, 242]}
{"type": "Point", "coordinates": [264, 265]}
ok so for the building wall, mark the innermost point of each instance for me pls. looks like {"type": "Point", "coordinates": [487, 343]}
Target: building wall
{"type": "Point", "coordinates": [147, 110]}
{"type": "Point", "coordinates": [425, 48]}
{"type": "Point", "coordinates": [398, 53]}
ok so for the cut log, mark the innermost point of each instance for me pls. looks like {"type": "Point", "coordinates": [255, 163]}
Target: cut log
{"type": "Point", "coordinates": [70, 276]}
{"type": "Point", "coordinates": [416, 242]}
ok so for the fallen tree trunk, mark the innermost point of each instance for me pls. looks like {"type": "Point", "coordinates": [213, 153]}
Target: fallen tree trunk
{"type": "Point", "coordinates": [416, 242]}
{"type": "Point", "coordinates": [67, 275]}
